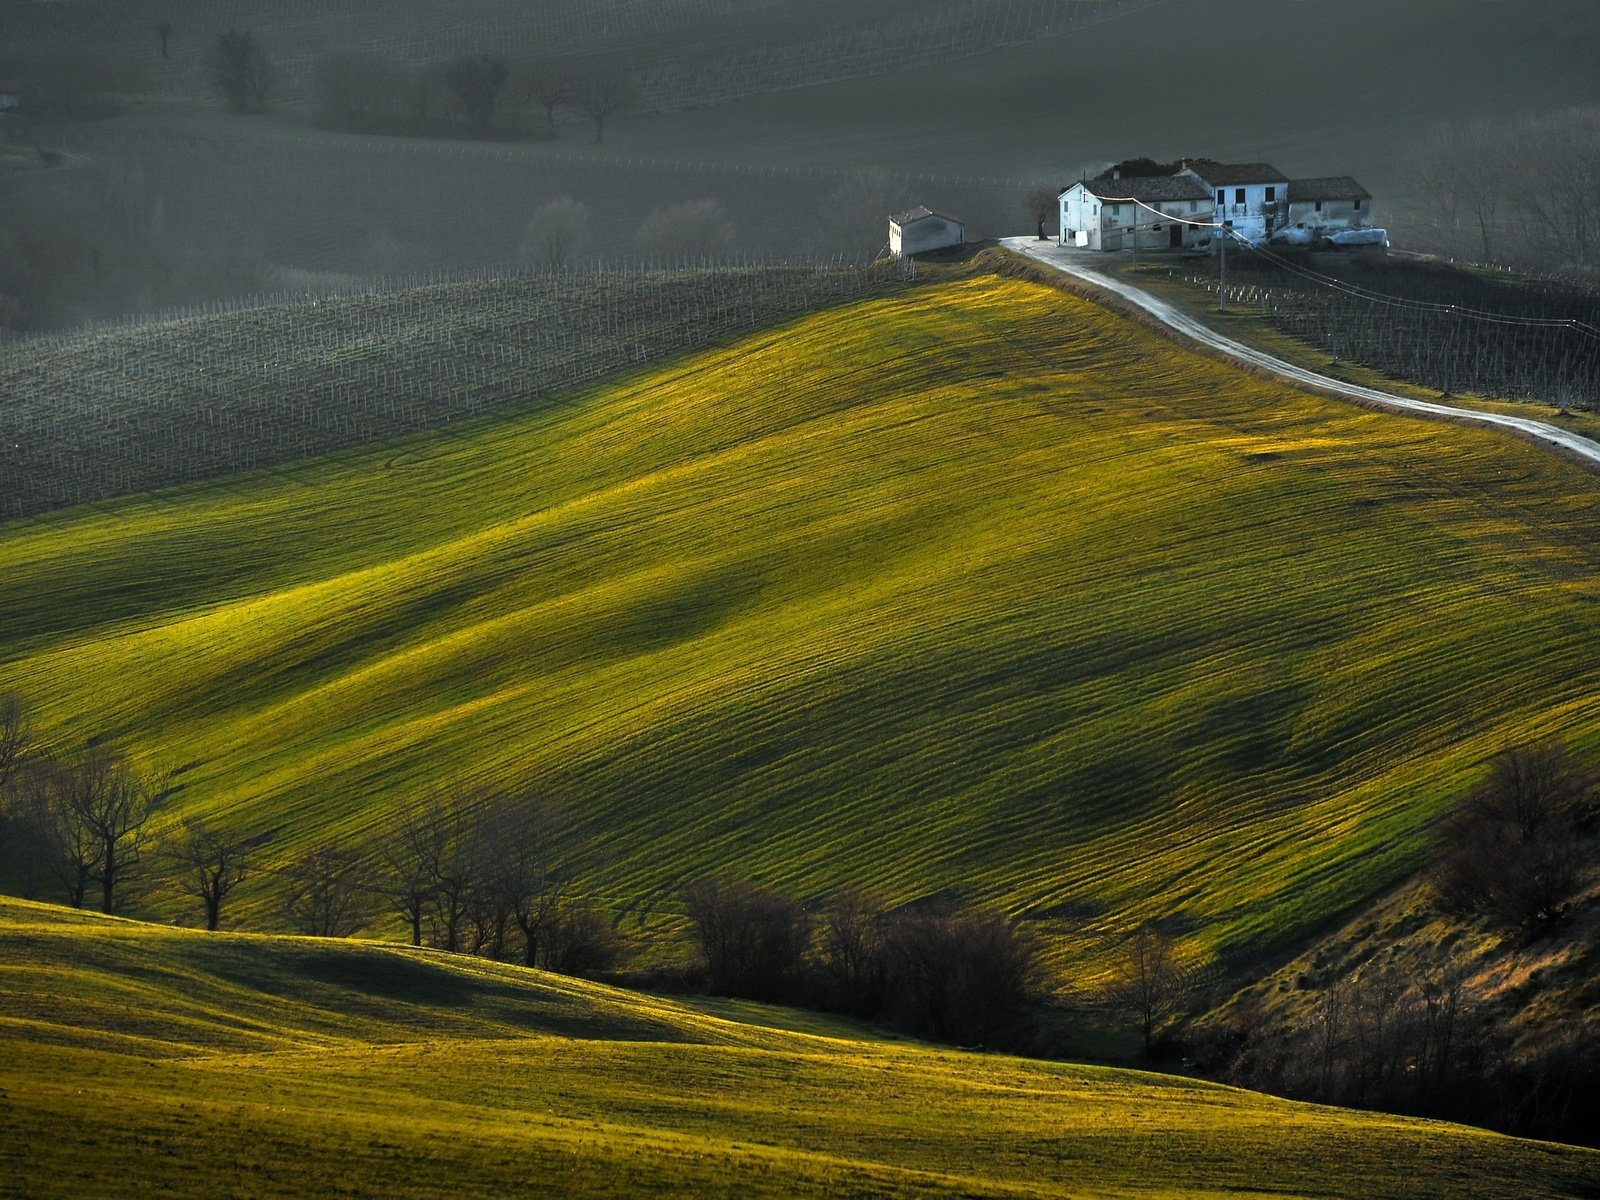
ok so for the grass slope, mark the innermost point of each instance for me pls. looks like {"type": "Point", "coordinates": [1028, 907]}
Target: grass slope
{"type": "Point", "coordinates": [139, 1060]}
{"type": "Point", "coordinates": [974, 587]}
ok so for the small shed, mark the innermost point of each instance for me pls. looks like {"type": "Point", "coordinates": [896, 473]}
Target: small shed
{"type": "Point", "coordinates": [918, 230]}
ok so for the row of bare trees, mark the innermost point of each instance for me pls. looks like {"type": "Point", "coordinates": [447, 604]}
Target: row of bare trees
{"type": "Point", "coordinates": [1518, 191]}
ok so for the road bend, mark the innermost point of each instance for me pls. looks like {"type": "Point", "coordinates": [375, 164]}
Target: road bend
{"type": "Point", "coordinates": [1072, 262]}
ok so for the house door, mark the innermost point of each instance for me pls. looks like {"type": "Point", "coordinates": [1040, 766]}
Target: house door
{"type": "Point", "coordinates": [1175, 237]}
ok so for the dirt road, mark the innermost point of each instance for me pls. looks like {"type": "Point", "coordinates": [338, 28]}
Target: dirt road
{"type": "Point", "coordinates": [1079, 264]}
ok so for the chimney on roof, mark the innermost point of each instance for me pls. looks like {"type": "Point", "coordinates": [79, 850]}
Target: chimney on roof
{"type": "Point", "coordinates": [1183, 165]}
{"type": "Point", "coordinates": [1116, 172]}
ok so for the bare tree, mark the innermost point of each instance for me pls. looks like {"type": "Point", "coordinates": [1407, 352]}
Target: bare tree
{"type": "Point", "coordinates": [850, 952]}
{"type": "Point", "coordinates": [551, 87]}
{"type": "Point", "coordinates": [959, 974]}
{"type": "Point", "coordinates": [477, 80]}
{"type": "Point", "coordinates": [212, 863]}
{"type": "Point", "coordinates": [602, 95]}
{"type": "Point", "coordinates": [412, 857]}
{"type": "Point", "coordinates": [581, 940]}
{"type": "Point", "coordinates": [97, 807]}
{"type": "Point", "coordinates": [16, 735]}
{"type": "Point", "coordinates": [752, 939]}
{"type": "Point", "coordinates": [1042, 204]}
{"type": "Point", "coordinates": [529, 868]}
{"type": "Point", "coordinates": [1511, 849]}
{"type": "Point", "coordinates": [696, 229]}
{"type": "Point", "coordinates": [1148, 983]}
{"type": "Point", "coordinates": [240, 71]}
{"type": "Point", "coordinates": [557, 233]}
{"type": "Point", "coordinates": [325, 892]}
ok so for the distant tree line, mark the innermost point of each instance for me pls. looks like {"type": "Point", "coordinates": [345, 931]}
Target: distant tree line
{"type": "Point", "coordinates": [1518, 191]}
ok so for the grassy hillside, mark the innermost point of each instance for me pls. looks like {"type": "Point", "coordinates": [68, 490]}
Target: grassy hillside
{"type": "Point", "coordinates": [975, 587]}
{"type": "Point", "coordinates": [138, 1060]}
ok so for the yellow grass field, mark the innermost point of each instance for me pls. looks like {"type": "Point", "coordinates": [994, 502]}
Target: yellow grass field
{"type": "Point", "coordinates": [976, 587]}
{"type": "Point", "coordinates": [142, 1061]}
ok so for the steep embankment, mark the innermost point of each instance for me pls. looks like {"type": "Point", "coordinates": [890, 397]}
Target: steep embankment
{"type": "Point", "coordinates": [138, 1060]}
{"type": "Point", "coordinates": [975, 588]}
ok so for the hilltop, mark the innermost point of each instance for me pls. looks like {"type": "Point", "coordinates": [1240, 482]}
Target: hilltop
{"type": "Point", "coordinates": [140, 1059]}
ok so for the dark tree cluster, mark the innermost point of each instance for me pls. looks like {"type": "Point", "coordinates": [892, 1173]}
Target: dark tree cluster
{"type": "Point", "coordinates": [1408, 1039]}
{"type": "Point", "coordinates": [958, 974]}
{"type": "Point", "coordinates": [490, 873]}
{"type": "Point", "coordinates": [1514, 850]}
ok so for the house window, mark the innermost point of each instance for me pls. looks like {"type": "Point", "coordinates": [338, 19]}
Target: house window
{"type": "Point", "coordinates": [1194, 206]}
{"type": "Point", "coordinates": [1272, 194]}
{"type": "Point", "coordinates": [1319, 205]}
{"type": "Point", "coordinates": [1116, 210]}
{"type": "Point", "coordinates": [1238, 195]}
{"type": "Point", "coordinates": [1222, 198]}
{"type": "Point", "coordinates": [1358, 205]}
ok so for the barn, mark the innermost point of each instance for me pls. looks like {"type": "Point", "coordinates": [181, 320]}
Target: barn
{"type": "Point", "coordinates": [1329, 205]}
{"type": "Point", "coordinates": [919, 230]}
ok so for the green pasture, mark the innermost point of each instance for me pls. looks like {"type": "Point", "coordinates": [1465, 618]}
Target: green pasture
{"type": "Point", "coordinates": [140, 1061]}
{"type": "Point", "coordinates": [974, 589]}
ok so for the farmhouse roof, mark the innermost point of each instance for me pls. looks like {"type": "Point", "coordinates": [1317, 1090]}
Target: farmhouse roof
{"type": "Point", "coordinates": [1334, 187]}
{"type": "Point", "coordinates": [919, 213]}
{"type": "Point", "coordinates": [1149, 188]}
{"type": "Point", "coordinates": [1229, 174]}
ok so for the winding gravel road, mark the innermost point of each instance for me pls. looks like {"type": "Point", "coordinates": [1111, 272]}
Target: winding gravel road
{"type": "Point", "coordinates": [1075, 263]}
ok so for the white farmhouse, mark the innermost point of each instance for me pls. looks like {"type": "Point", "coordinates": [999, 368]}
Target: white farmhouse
{"type": "Point", "coordinates": [1251, 198]}
{"type": "Point", "coordinates": [1324, 206]}
{"type": "Point", "coordinates": [919, 230]}
{"type": "Point", "coordinates": [1127, 213]}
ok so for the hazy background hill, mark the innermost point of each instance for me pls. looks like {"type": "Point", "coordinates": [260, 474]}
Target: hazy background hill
{"type": "Point", "coordinates": [175, 202]}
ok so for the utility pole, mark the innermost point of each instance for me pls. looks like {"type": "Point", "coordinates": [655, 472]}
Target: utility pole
{"type": "Point", "coordinates": [1222, 296]}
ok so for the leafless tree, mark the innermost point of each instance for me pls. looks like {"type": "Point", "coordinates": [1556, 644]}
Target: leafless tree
{"type": "Point", "coordinates": [97, 808]}
{"type": "Point", "coordinates": [529, 865]}
{"type": "Point", "coordinates": [850, 952]}
{"type": "Point", "coordinates": [212, 863]}
{"type": "Point", "coordinates": [1511, 849]}
{"type": "Point", "coordinates": [551, 88]}
{"type": "Point", "coordinates": [240, 71]}
{"type": "Point", "coordinates": [1041, 204]}
{"type": "Point", "coordinates": [325, 892]}
{"type": "Point", "coordinates": [412, 857]}
{"type": "Point", "coordinates": [752, 939]}
{"type": "Point", "coordinates": [960, 974]}
{"type": "Point", "coordinates": [477, 79]}
{"type": "Point", "coordinates": [1148, 983]}
{"type": "Point", "coordinates": [601, 96]}
{"type": "Point", "coordinates": [581, 940]}
{"type": "Point", "coordinates": [16, 735]}
{"type": "Point", "coordinates": [557, 233]}
{"type": "Point", "coordinates": [695, 229]}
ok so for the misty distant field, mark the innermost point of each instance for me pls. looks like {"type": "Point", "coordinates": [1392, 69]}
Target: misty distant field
{"type": "Point", "coordinates": [167, 206]}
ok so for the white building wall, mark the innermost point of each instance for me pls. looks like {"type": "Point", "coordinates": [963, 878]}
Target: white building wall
{"type": "Point", "coordinates": [1331, 214]}
{"type": "Point", "coordinates": [1093, 224]}
{"type": "Point", "coordinates": [1254, 209]}
{"type": "Point", "coordinates": [917, 237]}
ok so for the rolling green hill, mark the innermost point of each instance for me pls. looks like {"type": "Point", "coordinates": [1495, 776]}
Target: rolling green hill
{"type": "Point", "coordinates": [136, 1060]}
{"type": "Point", "coordinates": [975, 588]}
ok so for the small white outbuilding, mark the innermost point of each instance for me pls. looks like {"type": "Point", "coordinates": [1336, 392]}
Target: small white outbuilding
{"type": "Point", "coordinates": [918, 230]}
